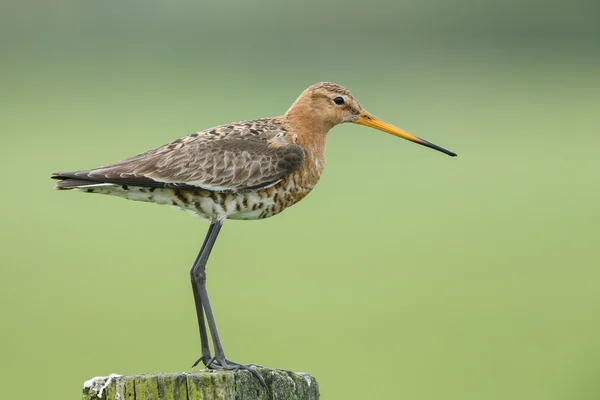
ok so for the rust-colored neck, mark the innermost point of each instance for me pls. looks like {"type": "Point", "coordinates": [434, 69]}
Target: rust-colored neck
{"type": "Point", "coordinates": [308, 118]}
{"type": "Point", "coordinates": [310, 126]}
{"type": "Point", "coordinates": [311, 135]}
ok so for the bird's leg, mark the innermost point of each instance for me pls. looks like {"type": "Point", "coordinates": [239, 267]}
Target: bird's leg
{"type": "Point", "coordinates": [205, 357]}
{"type": "Point", "coordinates": [198, 276]}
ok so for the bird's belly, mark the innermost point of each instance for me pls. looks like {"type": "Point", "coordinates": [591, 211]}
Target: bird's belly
{"type": "Point", "coordinates": [252, 205]}
{"type": "Point", "coordinates": [210, 205]}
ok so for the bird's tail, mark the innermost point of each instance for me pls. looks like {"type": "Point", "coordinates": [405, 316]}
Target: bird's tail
{"type": "Point", "coordinates": [69, 180]}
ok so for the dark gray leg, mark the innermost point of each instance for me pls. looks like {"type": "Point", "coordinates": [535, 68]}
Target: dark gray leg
{"type": "Point", "coordinates": [205, 357]}
{"type": "Point", "coordinates": [198, 278]}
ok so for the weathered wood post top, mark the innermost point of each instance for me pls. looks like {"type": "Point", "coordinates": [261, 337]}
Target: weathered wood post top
{"type": "Point", "coordinates": [204, 385]}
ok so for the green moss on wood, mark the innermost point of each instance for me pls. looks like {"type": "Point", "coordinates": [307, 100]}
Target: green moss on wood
{"type": "Point", "coordinates": [146, 387]}
{"type": "Point", "coordinates": [207, 385]}
{"type": "Point", "coordinates": [172, 387]}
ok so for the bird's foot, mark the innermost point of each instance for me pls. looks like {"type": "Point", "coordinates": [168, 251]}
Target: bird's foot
{"type": "Point", "coordinates": [224, 364]}
{"type": "Point", "coordinates": [205, 358]}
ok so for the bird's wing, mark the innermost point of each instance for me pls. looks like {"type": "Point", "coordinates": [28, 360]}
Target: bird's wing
{"type": "Point", "coordinates": [230, 163]}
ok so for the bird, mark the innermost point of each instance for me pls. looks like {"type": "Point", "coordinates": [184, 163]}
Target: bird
{"type": "Point", "coordinates": [246, 170]}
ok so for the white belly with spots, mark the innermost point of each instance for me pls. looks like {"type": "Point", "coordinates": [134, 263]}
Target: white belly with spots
{"type": "Point", "coordinates": [201, 203]}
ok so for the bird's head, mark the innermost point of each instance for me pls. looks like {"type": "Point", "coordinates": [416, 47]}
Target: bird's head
{"type": "Point", "coordinates": [326, 104]}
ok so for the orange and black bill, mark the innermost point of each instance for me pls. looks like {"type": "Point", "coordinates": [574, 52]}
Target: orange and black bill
{"type": "Point", "coordinates": [372, 121]}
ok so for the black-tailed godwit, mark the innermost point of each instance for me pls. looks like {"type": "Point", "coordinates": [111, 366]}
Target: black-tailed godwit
{"type": "Point", "coordinates": [242, 170]}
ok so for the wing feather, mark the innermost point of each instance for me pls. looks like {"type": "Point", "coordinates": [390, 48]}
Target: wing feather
{"type": "Point", "coordinates": [227, 164]}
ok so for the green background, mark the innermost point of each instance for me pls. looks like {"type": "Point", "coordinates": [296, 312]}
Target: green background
{"type": "Point", "coordinates": [405, 274]}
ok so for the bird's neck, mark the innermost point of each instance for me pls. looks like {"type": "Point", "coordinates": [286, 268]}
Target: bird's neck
{"type": "Point", "coordinates": [311, 137]}
{"type": "Point", "coordinates": [310, 127]}
{"type": "Point", "coordinates": [311, 130]}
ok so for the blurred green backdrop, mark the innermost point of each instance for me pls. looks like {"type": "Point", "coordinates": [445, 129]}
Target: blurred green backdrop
{"type": "Point", "coordinates": [472, 278]}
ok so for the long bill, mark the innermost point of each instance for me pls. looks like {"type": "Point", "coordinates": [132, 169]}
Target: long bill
{"type": "Point", "coordinates": [372, 121]}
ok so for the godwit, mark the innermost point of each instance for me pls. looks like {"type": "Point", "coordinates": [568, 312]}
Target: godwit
{"type": "Point", "coordinates": [242, 170]}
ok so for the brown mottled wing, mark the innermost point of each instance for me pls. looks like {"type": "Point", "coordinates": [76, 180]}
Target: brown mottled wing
{"type": "Point", "coordinates": [224, 164]}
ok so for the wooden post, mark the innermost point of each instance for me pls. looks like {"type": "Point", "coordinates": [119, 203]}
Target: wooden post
{"type": "Point", "coordinates": [203, 385]}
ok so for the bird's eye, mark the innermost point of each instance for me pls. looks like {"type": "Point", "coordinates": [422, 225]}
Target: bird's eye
{"type": "Point", "coordinates": [339, 101]}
